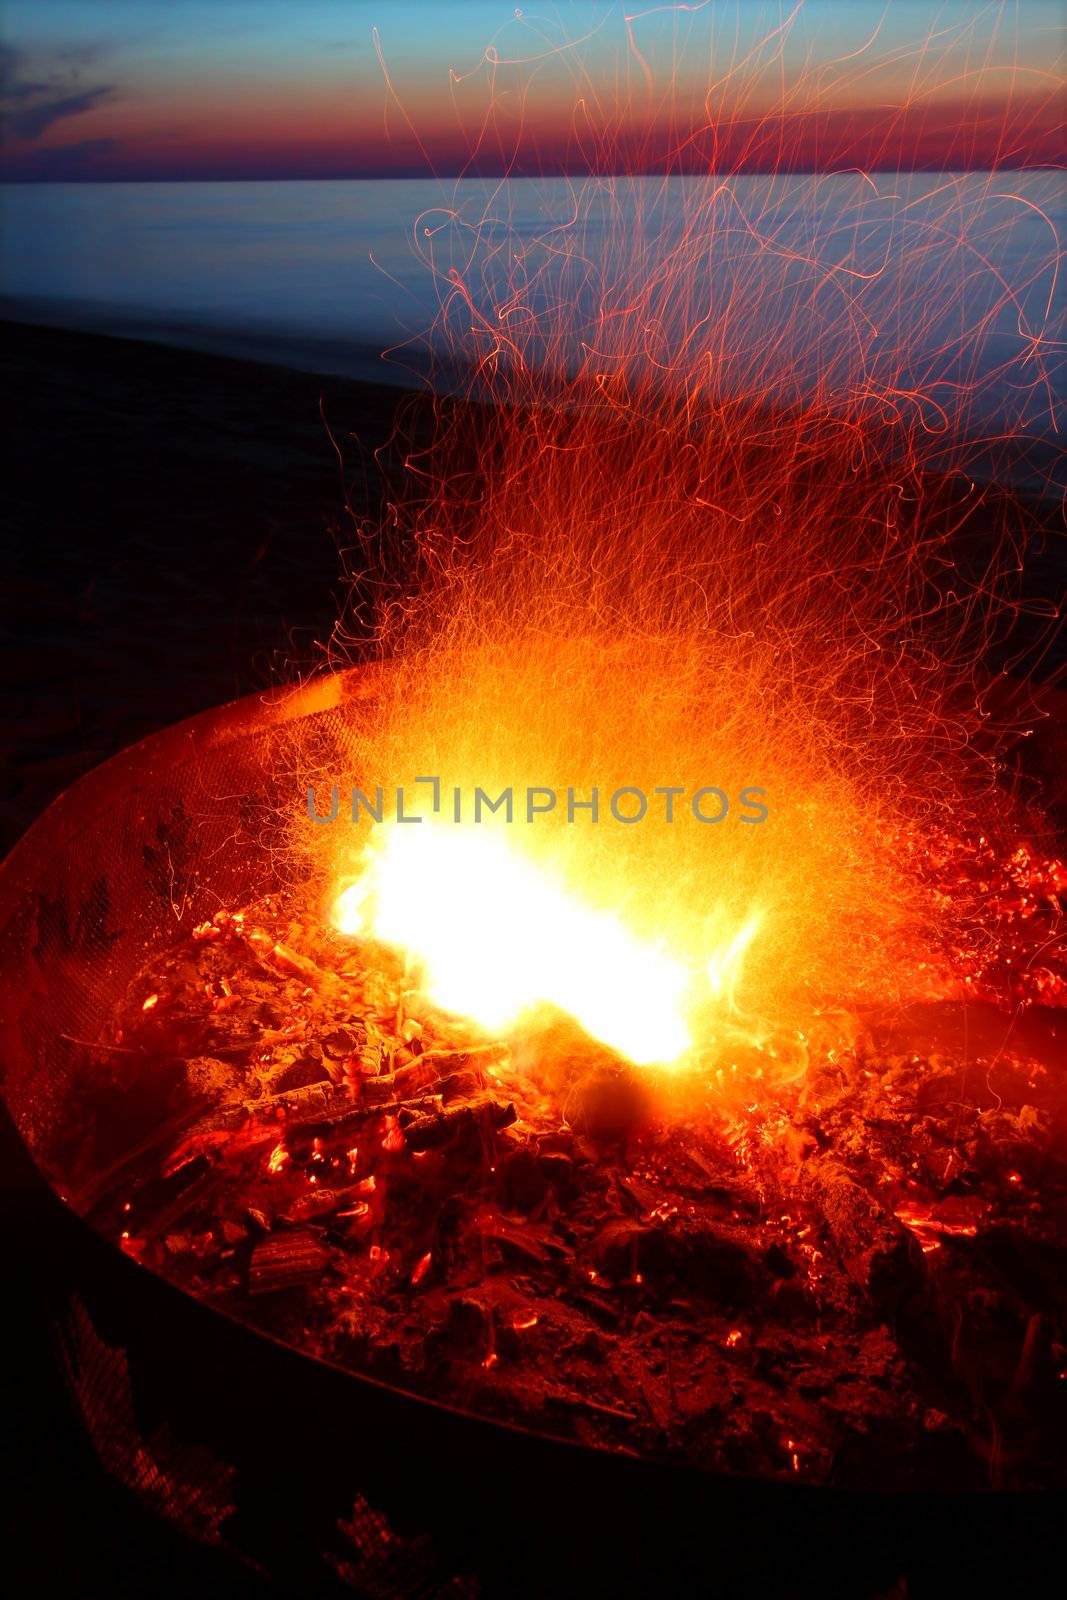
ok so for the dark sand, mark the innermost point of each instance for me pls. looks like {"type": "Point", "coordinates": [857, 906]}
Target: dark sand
{"type": "Point", "coordinates": [172, 525]}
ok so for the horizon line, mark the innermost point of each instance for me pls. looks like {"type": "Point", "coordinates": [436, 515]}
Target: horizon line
{"type": "Point", "coordinates": [412, 176]}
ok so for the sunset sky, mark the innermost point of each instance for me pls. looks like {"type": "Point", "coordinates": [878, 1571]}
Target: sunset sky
{"type": "Point", "coordinates": [228, 89]}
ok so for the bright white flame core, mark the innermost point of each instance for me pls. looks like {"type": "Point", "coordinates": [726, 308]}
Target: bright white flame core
{"type": "Point", "coordinates": [496, 934]}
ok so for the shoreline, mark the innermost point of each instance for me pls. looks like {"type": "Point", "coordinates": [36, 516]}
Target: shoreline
{"type": "Point", "coordinates": [1034, 468]}
{"type": "Point", "coordinates": [303, 354]}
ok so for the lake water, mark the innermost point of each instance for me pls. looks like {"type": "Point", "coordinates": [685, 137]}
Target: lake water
{"type": "Point", "coordinates": [939, 291]}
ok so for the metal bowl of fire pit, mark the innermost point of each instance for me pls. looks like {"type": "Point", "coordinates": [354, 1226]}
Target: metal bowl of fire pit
{"type": "Point", "coordinates": [338, 1480]}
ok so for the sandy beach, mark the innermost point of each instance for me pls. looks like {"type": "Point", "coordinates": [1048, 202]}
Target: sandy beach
{"type": "Point", "coordinates": [173, 523]}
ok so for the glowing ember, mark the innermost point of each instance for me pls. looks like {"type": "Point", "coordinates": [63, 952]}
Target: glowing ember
{"type": "Point", "coordinates": [950, 1218]}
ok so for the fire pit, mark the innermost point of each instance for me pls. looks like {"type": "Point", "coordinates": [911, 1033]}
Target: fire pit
{"type": "Point", "coordinates": [388, 1311]}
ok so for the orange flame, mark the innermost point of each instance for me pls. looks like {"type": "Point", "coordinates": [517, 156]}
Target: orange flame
{"type": "Point", "coordinates": [495, 934]}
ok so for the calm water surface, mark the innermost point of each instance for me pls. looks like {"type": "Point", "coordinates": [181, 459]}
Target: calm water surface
{"type": "Point", "coordinates": [942, 289]}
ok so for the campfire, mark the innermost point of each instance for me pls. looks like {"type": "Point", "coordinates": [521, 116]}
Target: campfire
{"type": "Point", "coordinates": [832, 1260]}
{"type": "Point", "coordinates": [832, 1264]}
{"type": "Point", "coordinates": [685, 1101]}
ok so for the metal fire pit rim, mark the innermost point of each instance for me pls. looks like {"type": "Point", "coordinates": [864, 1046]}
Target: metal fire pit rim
{"type": "Point", "coordinates": [191, 738]}
{"type": "Point", "coordinates": [81, 803]}
{"type": "Point", "coordinates": [650, 1521]}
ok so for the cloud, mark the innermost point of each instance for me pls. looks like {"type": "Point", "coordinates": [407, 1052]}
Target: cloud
{"type": "Point", "coordinates": [31, 103]}
{"type": "Point", "coordinates": [37, 119]}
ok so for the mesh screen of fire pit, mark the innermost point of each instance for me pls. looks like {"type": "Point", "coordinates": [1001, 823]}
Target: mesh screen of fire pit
{"type": "Point", "coordinates": [854, 1278]}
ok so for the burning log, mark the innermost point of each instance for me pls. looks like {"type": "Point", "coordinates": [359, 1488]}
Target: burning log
{"type": "Point", "coordinates": [285, 1261]}
{"type": "Point", "coordinates": [467, 1122]}
{"type": "Point", "coordinates": [877, 1252]}
{"type": "Point", "coordinates": [392, 1089]}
